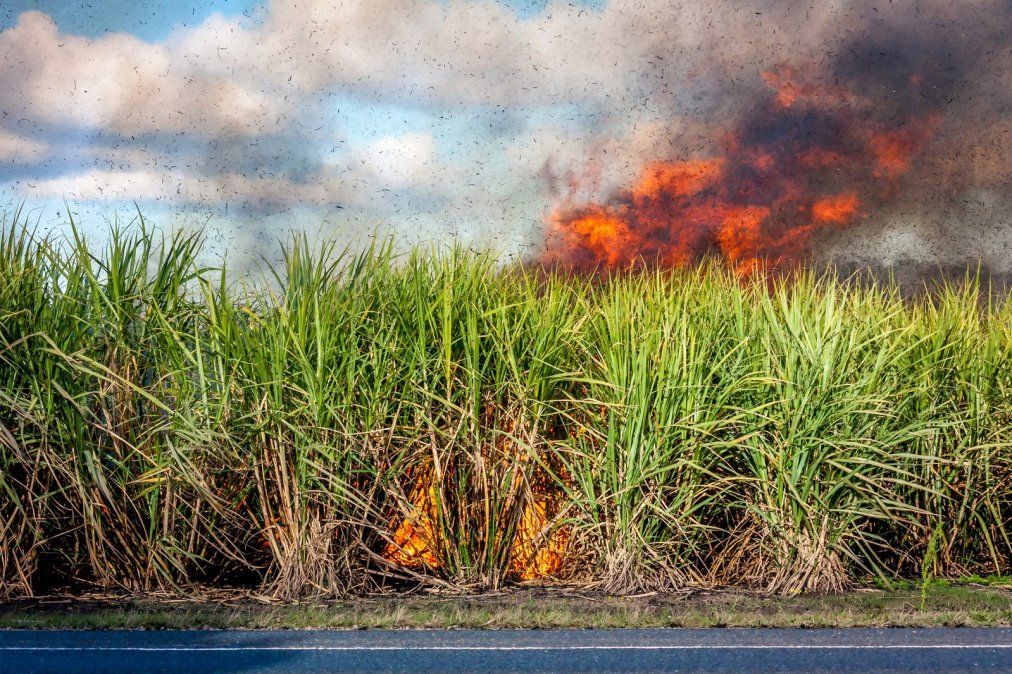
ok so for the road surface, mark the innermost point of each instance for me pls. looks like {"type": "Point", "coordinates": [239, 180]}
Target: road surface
{"type": "Point", "coordinates": [191, 652]}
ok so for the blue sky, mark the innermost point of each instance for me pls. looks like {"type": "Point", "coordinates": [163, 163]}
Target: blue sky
{"type": "Point", "coordinates": [153, 20]}
{"type": "Point", "coordinates": [149, 20]}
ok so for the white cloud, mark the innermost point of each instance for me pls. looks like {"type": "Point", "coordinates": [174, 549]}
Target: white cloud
{"type": "Point", "coordinates": [98, 184]}
{"type": "Point", "coordinates": [124, 85]}
{"type": "Point", "coordinates": [230, 76]}
{"type": "Point", "coordinates": [19, 150]}
{"type": "Point", "coordinates": [400, 161]}
{"type": "Point", "coordinates": [366, 178]}
{"type": "Point", "coordinates": [233, 76]}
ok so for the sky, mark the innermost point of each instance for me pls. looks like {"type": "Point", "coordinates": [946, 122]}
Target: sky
{"type": "Point", "coordinates": [257, 117]}
{"type": "Point", "coordinates": [428, 120]}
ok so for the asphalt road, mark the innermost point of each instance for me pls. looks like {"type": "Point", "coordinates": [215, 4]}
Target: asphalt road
{"type": "Point", "coordinates": [190, 652]}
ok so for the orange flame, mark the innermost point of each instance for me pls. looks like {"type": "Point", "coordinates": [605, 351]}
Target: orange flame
{"type": "Point", "coordinates": [413, 544]}
{"type": "Point", "coordinates": [534, 554]}
{"type": "Point", "coordinates": [839, 209]}
{"type": "Point", "coordinates": [537, 550]}
{"type": "Point", "coordinates": [538, 546]}
{"type": "Point", "coordinates": [812, 156]}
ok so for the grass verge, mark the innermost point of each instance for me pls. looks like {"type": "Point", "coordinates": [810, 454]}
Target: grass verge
{"type": "Point", "coordinates": [944, 604]}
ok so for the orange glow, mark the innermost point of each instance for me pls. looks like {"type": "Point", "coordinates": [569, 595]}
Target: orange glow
{"type": "Point", "coordinates": [604, 233]}
{"type": "Point", "coordinates": [764, 162]}
{"type": "Point", "coordinates": [800, 85]}
{"type": "Point", "coordinates": [839, 209]}
{"type": "Point", "coordinates": [811, 156]}
{"type": "Point", "coordinates": [739, 236]}
{"type": "Point", "coordinates": [535, 555]}
{"type": "Point", "coordinates": [818, 157]}
{"type": "Point", "coordinates": [414, 542]}
{"type": "Point", "coordinates": [891, 149]}
{"type": "Point", "coordinates": [537, 550]}
{"type": "Point", "coordinates": [683, 179]}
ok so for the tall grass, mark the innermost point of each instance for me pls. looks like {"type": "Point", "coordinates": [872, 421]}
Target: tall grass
{"type": "Point", "coordinates": [342, 423]}
{"type": "Point", "coordinates": [656, 418]}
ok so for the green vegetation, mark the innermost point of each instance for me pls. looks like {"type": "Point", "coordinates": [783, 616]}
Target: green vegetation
{"type": "Point", "coordinates": [165, 427]}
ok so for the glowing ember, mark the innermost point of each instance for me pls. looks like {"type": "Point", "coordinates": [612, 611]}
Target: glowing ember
{"type": "Point", "coordinates": [537, 550]}
{"type": "Point", "coordinates": [812, 156]}
{"type": "Point", "coordinates": [414, 541]}
{"type": "Point", "coordinates": [536, 553]}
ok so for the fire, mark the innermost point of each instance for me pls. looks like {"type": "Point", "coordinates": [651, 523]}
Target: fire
{"type": "Point", "coordinates": [527, 506]}
{"type": "Point", "coordinates": [413, 544]}
{"type": "Point", "coordinates": [891, 148]}
{"type": "Point", "coordinates": [535, 554]}
{"type": "Point", "coordinates": [812, 156]}
{"type": "Point", "coordinates": [792, 85]}
{"type": "Point", "coordinates": [537, 550]}
{"type": "Point", "coordinates": [604, 233]}
{"type": "Point", "coordinates": [839, 209]}
{"type": "Point", "coordinates": [683, 179]}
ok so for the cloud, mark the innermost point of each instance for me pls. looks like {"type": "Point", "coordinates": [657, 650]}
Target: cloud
{"type": "Point", "coordinates": [19, 150]}
{"type": "Point", "coordinates": [230, 76]}
{"type": "Point", "coordinates": [397, 161]}
{"type": "Point", "coordinates": [368, 178]}
{"type": "Point", "coordinates": [123, 85]}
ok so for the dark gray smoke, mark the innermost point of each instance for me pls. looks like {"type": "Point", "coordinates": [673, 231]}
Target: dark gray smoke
{"type": "Point", "coordinates": [954, 208]}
